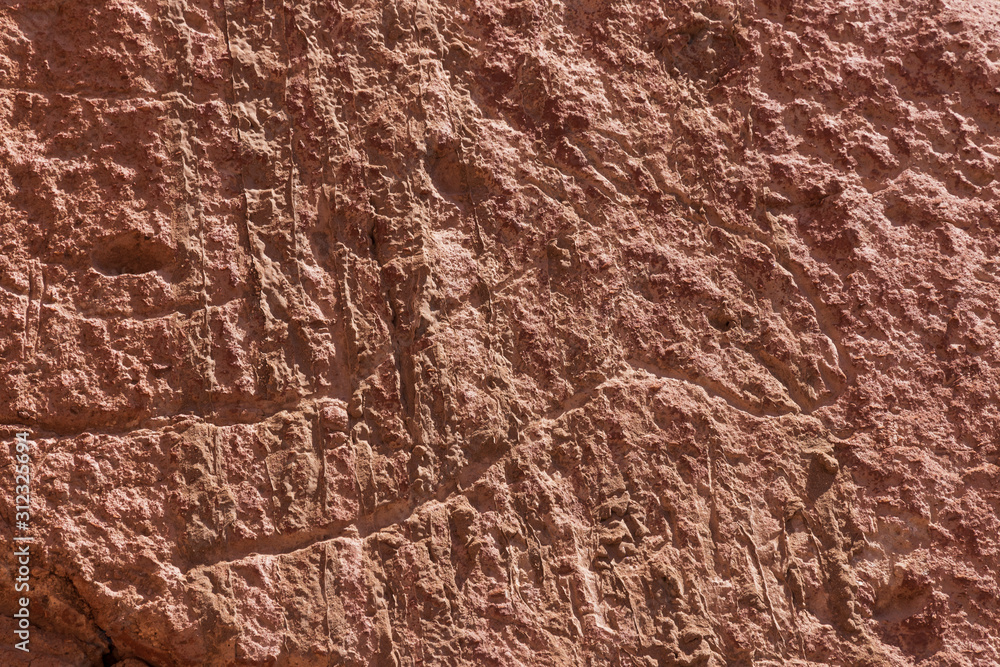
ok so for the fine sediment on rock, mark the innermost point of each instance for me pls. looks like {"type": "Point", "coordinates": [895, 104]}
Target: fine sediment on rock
{"type": "Point", "coordinates": [503, 333]}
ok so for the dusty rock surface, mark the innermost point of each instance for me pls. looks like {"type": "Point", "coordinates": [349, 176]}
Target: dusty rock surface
{"type": "Point", "coordinates": [482, 332]}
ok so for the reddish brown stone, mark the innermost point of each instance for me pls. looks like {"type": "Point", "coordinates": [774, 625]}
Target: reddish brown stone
{"type": "Point", "coordinates": [503, 333]}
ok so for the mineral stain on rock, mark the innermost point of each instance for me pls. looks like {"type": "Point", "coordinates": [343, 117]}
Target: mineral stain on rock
{"type": "Point", "coordinates": [503, 333]}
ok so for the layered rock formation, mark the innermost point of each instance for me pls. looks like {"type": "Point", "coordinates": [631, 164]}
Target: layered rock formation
{"type": "Point", "coordinates": [410, 332]}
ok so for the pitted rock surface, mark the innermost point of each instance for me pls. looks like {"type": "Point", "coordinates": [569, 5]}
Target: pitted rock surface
{"type": "Point", "coordinates": [483, 332]}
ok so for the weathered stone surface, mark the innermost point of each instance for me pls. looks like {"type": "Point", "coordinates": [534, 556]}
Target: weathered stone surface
{"type": "Point", "coordinates": [503, 333]}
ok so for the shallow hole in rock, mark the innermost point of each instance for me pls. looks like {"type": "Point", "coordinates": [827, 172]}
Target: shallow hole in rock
{"type": "Point", "coordinates": [723, 320]}
{"type": "Point", "coordinates": [130, 253]}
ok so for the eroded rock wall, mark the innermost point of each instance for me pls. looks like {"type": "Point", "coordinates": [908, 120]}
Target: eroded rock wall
{"type": "Point", "coordinates": [503, 333]}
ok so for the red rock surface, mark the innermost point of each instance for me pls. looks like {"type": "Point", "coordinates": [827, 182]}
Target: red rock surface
{"type": "Point", "coordinates": [486, 332]}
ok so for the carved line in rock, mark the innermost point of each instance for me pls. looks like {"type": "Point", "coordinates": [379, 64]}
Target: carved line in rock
{"type": "Point", "coordinates": [153, 96]}
{"type": "Point", "coordinates": [399, 511]}
{"type": "Point", "coordinates": [605, 183]}
{"type": "Point", "coordinates": [35, 301]}
{"type": "Point", "coordinates": [246, 237]}
{"type": "Point", "coordinates": [219, 417]}
{"type": "Point", "coordinates": [385, 516]}
{"type": "Point", "coordinates": [391, 513]}
{"type": "Point", "coordinates": [193, 211]}
{"type": "Point", "coordinates": [711, 216]}
{"type": "Point", "coordinates": [267, 294]}
{"type": "Point", "coordinates": [731, 399]}
{"type": "Point", "coordinates": [298, 239]}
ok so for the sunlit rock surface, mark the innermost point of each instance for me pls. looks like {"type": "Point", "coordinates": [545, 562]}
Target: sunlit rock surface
{"type": "Point", "coordinates": [503, 333]}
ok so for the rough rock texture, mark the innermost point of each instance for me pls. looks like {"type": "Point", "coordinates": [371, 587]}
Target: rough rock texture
{"type": "Point", "coordinates": [482, 332]}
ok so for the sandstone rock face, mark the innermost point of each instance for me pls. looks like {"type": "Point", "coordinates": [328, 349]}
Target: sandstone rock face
{"type": "Point", "coordinates": [483, 332]}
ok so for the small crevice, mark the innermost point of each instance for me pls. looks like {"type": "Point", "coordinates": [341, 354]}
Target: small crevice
{"type": "Point", "coordinates": [110, 656]}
